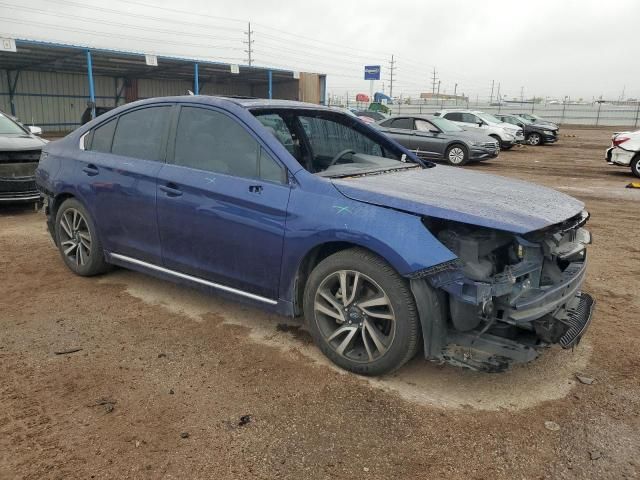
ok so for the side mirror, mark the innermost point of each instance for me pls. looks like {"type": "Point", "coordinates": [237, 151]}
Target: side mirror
{"type": "Point", "coordinates": [480, 123]}
{"type": "Point", "coordinates": [35, 130]}
{"type": "Point", "coordinates": [434, 130]}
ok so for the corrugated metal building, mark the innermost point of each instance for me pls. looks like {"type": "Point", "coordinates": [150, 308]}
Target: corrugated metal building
{"type": "Point", "coordinates": [51, 85]}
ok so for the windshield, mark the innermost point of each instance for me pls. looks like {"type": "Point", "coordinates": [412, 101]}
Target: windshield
{"type": "Point", "coordinates": [524, 120]}
{"type": "Point", "coordinates": [488, 118]}
{"type": "Point", "coordinates": [445, 125]}
{"type": "Point", "coordinates": [332, 144]}
{"type": "Point", "coordinates": [9, 127]}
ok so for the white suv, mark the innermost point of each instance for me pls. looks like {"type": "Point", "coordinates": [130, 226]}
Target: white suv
{"type": "Point", "coordinates": [625, 151]}
{"type": "Point", "coordinates": [506, 134]}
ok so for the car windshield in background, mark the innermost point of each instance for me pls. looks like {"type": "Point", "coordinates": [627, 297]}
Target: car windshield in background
{"type": "Point", "coordinates": [331, 145]}
{"type": "Point", "coordinates": [524, 120]}
{"type": "Point", "coordinates": [488, 118]}
{"type": "Point", "coordinates": [9, 127]}
{"type": "Point", "coordinates": [445, 125]}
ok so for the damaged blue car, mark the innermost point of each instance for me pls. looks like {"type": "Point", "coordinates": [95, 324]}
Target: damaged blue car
{"type": "Point", "coordinates": [307, 212]}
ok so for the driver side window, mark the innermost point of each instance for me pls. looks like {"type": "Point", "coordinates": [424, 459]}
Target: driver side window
{"type": "Point", "coordinates": [424, 126]}
{"type": "Point", "coordinates": [328, 138]}
{"type": "Point", "coordinates": [469, 118]}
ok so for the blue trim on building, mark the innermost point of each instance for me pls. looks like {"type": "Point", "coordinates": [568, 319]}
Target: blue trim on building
{"type": "Point", "coordinates": [196, 80]}
{"type": "Point", "coordinates": [270, 77]}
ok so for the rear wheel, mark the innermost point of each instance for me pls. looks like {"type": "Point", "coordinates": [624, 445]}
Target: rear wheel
{"type": "Point", "coordinates": [78, 240]}
{"type": "Point", "coordinates": [361, 313]}
{"type": "Point", "coordinates": [456, 155]}
{"type": "Point", "coordinates": [534, 139]}
{"type": "Point", "coordinates": [635, 166]}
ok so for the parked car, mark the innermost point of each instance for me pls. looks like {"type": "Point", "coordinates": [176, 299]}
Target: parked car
{"type": "Point", "coordinates": [381, 252]}
{"type": "Point", "coordinates": [537, 119]}
{"type": "Point", "coordinates": [20, 149]}
{"type": "Point", "coordinates": [534, 133]}
{"type": "Point", "coordinates": [625, 151]}
{"type": "Point", "coordinates": [507, 135]}
{"type": "Point", "coordinates": [86, 115]}
{"type": "Point", "coordinates": [377, 116]}
{"type": "Point", "coordinates": [436, 138]}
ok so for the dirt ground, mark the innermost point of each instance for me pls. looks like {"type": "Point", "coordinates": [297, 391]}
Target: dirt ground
{"type": "Point", "coordinates": [171, 383]}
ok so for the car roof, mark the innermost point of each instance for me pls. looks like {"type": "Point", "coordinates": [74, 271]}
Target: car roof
{"type": "Point", "coordinates": [244, 102]}
{"type": "Point", "coordinates": [412, 115]}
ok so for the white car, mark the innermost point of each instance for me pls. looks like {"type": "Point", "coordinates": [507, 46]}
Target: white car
{"type": "Point", "coordinates": [506, 134]}
{"type": "Point", "coordinates": [625, 151]}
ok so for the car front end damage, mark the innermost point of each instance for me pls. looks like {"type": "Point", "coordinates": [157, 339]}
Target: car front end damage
{"type": "Point", "coordinates": [507, 296]}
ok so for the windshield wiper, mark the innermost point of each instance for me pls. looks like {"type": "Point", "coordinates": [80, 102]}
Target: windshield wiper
{"type": "Point", "coordinates": [364, 173]}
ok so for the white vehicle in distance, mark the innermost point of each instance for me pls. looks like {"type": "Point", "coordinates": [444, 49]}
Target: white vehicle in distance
{"type": "Point", "coordinates": [625, 151]}
{"type": "Point", "coordinates": [506, 134]}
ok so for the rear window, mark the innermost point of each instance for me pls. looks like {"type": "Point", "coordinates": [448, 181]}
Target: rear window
{"type": "Point", "coordinates": [103, 137]}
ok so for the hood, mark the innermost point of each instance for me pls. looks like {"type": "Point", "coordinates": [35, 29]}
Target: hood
{"type": "Point", "coordinates": [10, 143]}
{"type": "Point", "coordinates": [508, 127]}
{"type": "Point", "coordinates": [545, 126]}
{"type": "Point", "coordinates": [471, 135]}
{"type": "Point", "coordinates": [452, 193]}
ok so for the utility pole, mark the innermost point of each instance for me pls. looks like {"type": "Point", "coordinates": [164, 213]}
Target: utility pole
{"type": "Point", "coordinates": [434, 81]}
{"type": "Point", "coordinates": [392, 67]}
{"type": "Point", "coordinates": [438, 87]}
{"type": "Point", "coordinates": [455, 93]}
{"type": "Point", "coordinates": [498, 93]}
{"type": "Point", "coordinates": [491, 96]}
{"type": "Point", "coordinates": [249, 44]}
{"type": "Point", "coordinates": [521, 95]}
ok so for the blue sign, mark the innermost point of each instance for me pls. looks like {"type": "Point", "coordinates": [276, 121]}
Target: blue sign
{"type": "Point", "coordinates": [372, 72]}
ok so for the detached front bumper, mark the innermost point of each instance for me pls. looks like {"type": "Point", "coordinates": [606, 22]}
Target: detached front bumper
{"type": "Point", "coordinates": [483, 153]}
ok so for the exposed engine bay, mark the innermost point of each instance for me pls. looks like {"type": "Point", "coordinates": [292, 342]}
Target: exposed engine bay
{"type": "Point", "coordinates": [508, 295]}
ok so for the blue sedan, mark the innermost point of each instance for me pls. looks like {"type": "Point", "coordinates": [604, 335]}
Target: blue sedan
{"type": "Point", "coordinates": [306, 211]}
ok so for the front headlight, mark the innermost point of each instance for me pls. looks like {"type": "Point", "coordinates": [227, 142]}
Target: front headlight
{"type": "Point", "coordinates": [548, 132]}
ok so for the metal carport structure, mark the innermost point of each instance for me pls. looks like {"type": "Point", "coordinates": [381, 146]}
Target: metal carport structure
{"type": "Point", "coordinates": [51, 84]}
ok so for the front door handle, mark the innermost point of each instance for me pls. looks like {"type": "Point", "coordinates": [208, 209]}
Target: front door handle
{"type": "Point", "coordinates": [255, 188]}
{"type": "Point", "coordinates": [91, 170]}
{"type": "Point", "coordinates": [171, 189]}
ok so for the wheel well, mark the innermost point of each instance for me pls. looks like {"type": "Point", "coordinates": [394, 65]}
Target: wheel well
{"type": "Point", "coordinates": [309, 262]}
{"type": "Point", "coordinates": [58, 200]}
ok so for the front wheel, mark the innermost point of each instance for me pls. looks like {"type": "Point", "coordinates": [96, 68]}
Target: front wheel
{"type": "Point", "coordinates": [78, 240]}
{"type": "Point", "coordinates": [456, 155]}
{"type": "Point", "coordinates": [534, 139]}
{"type": "Point", "coordinates": [635, 166]}
{"type": "Point", "coordinates": [361, 313]}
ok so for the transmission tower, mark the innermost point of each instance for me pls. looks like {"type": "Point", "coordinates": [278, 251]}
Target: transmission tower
{"type": "Point", "coordinates": [249, 44]}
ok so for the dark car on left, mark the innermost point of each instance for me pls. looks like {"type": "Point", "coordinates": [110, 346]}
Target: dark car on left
{"type": "Point", "coordinates": [436, 138]}
{"type": "Point", "coordinates": [20, 152]}
{"type": "Point", "coordinates": [534, 133]}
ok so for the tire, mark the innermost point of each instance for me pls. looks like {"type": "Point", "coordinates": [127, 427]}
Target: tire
{"type": "Point", "coordinates": [456, 155]}
{"type": "Point", "coordinates": [635, 166]}
{"type": "Point", "coordinates": [534, 139]}
{"type": "Point", "coordinates": [378, 330]}
{"type": "Point", "coordinates": [77, 240]}
{"type": "Point", "coordinates": [506, 147]}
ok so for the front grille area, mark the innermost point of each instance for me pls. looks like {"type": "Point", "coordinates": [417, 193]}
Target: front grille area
{"type": "Point", "coordinates": [490, 145]}
{"type": "Point", "coordinates": [20, 170]}
{"type": "Point", "coordinates": [22, 156]}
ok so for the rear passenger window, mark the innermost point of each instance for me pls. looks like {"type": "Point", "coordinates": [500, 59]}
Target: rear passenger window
{"type": "Point", "coordinates": [140, 134]}
{"type": "Point", "coordinates": [209, 140]}
{"type": "Point", "coordinates": [404, 123]}
{"type": "Point", "coordinates": [103, 136]}
{"type": "Point", "coordinates": [453, 116]}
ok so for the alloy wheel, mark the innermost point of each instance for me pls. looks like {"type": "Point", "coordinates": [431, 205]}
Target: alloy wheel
{"type": "Point", "coordinates": [456, 155]}
{"type": "Point", "coordinates": [534, 139]}
{"type": "Point", "coordinates": [354, 316]}
{"type": "Point", "coordinates": [75, 237]}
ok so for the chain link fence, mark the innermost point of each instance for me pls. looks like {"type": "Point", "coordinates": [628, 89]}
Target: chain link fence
{"type": "Point", "coordinates": [623, 114]}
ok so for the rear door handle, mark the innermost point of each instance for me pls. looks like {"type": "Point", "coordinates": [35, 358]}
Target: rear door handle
{"type": "Point", "coordinates": [91, 170]}
{"type": "Point", "coordinates": [255, 188]}
{"type": "Point", "coordinates": [171, 189]}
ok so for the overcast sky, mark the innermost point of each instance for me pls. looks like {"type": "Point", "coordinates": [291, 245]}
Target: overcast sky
{"type": "Point", "coordinates": [549, 48]}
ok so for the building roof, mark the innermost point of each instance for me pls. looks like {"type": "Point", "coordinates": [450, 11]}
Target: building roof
{"type": "Point", "coordinates": [54, 57]}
